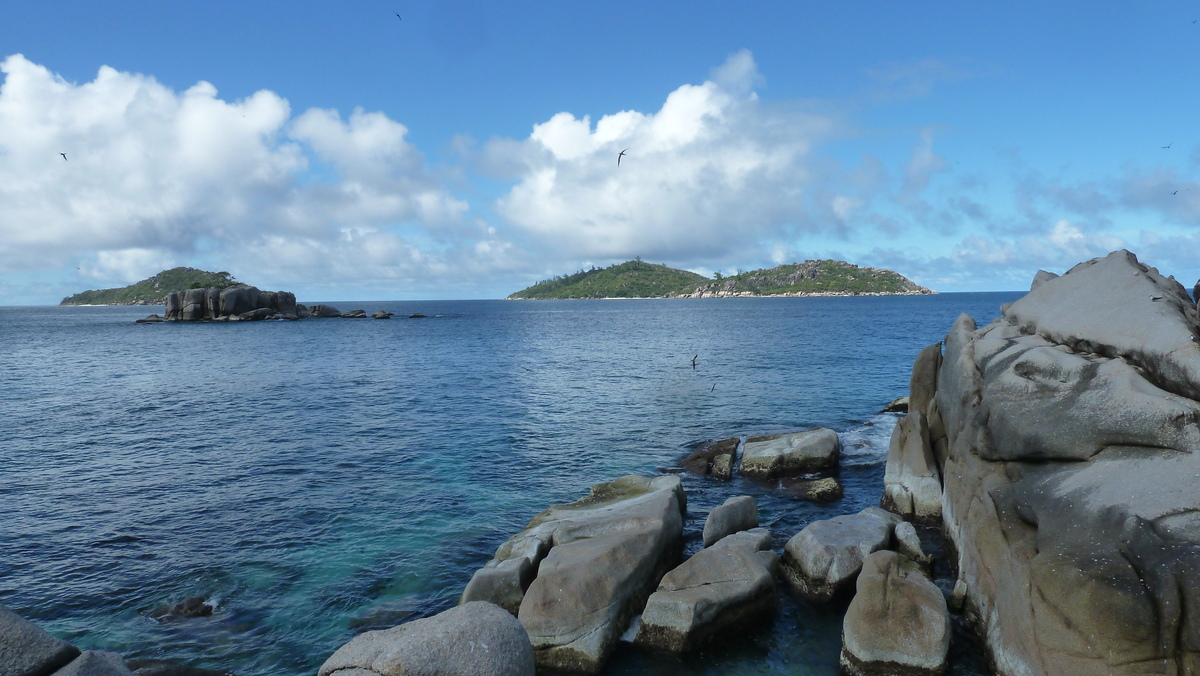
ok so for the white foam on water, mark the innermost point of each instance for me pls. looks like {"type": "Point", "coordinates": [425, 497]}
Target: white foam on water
{"type": "Point", "coordinates": [867, 444]}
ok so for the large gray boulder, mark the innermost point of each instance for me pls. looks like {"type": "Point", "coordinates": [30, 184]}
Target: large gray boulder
{"type": "Point", "coordinates": [735, 514]}
{"type": "Point", "coordinates": [912, 485]}
{"type": "Point", "coordinates": [474, 638]}
{"type": "Point", "coordinates": [823, 560]}
{"type": "Point", "coordinates": [93, 663]}
{"type": "Point", "coordinates": [28, 650]}
{"type": "Point", "coordinates": [1070, 466]}
{"type": "Point", "coordinates": [719, 592]}
{"type": "Point", "coordinates": [238, 299]}
{"type": "Point", "coordinates": [324, 311]}
{"type": "Point", "coordinates": [897, 623]}
{"type": "Point", "coordinates": [596, 562]}
{"type": "Point", "coordinates": [781, 455]}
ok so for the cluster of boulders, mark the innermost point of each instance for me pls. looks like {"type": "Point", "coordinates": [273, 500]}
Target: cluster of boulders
{"type": "Point", "coordinates": [28, 650]}
{"type": "Point", "coordinates": [582, 577]}
{"type": "Point", "coordinates": [1060, 447]}
{"type": "Point", "coordinates": [791, 462]}
{"type": "Point", "coordinates": [247, 303]}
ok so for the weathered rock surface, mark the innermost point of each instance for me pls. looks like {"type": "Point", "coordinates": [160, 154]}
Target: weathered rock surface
{"type": "Point", "coordinates": [1071, 462]}
{"type": "Point", "coordinates": [790, 454]}
{"type": "Point", "coordinates": [908, 544]}
{"type": "Point", "coordinates": [912, 484]}
{"type": "Point", "coordinates": [719, 592]}
{"type": "Point", "coordinates": [897, 405]}
{"type": "Point", "coordinates": [815, 490]}
{"type": "Point", "coordinates": [149, 319]}
{"type": "Point", "coordinates": [737, 513]}
{"type": "Point", "coordinates": [897, 623]}
{"type": "Point", "coordinates": [596, 562]}
{"type": "Point", "coordinates": [714, 459]}
{"type": "Point", "coordinates": [244, 302]}
{"type": "Point", "coordinates": [92, 663]}
{"type": "Point", "coordinates": [28, 650]}
{"type": "Point", "coordinates": [355, 314]}
{"type": "Point", "coordinates": [381, 314]}
{"type": "Point", "coordinates": [324, 311]}
{"type": "Point", "coordinates": [825, 558]}
{"type": "Point", "coordinates": [474, 638]}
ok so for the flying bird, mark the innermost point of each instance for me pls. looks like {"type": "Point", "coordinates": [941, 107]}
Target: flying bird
{"type": "Point", "coordinates": [1175, 193]}
{"type": "Point", "coordinates": [1168, 145]}
{"type": "Point", "coordinates": [399, 17]}
{"type": "Point", "coordinates": [694, 362]}
{"type": "Point", "coordinates": [713, 387]}
{"type": "Point", "coordinates": [620, 155]}
{"type": "Point", "coordinates": [64, 156]}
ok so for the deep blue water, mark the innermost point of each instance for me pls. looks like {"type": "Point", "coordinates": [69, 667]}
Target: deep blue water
{"type": "Point", "coordinates": [318, 478]}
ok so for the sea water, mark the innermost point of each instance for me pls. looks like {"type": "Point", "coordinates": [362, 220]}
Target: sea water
{"type": "Point", "coordinates": [316, 479]}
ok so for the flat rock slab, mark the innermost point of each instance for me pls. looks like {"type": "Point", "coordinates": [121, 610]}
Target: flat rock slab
{"type": "Point", "coordinates": [596, 561]}
{"type": "Point", "coordinates": [717, 593]}
{"type": "Point", "coordinates": [813, 490]}
{"type": "Point", "coordinates": [736, 514]}
{"type": "Point", "coordinates": [825, 557]}
{"type": "Point", "coordinates": [26, 649]}
{"type": "Point", "coordinates": [790, 454]}
{"type": "Point", "coordinates": [474, 638]}
{"type": "Point", "coordinates": [897, 623]}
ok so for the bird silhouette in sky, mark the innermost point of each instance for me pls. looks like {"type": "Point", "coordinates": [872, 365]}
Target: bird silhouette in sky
{"type": "Point", "coordinates": [620, 155]}
{"type": "Point", "coordinates": [1168, 145]}
{"type": "Point", "coordinates": [64, 156]}
{"type": "Point", "coordinates": [399, 17]}
{"type": "Point", "coordinates": [1175, 193]}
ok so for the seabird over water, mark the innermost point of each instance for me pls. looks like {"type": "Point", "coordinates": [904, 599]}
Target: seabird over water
{"type": "Point", "coordinates": [694, 362]}
{"type": "Point", "coordinates": [64, 156]}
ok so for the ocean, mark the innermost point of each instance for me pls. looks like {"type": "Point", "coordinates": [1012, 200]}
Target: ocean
{"type": "Point", "coordinates": [316, 479]}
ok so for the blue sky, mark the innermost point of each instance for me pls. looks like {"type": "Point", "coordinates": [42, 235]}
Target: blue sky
{"type": "Point", "coordinates": [467, 150]}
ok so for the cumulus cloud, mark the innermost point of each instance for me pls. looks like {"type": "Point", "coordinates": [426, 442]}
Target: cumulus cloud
{"type": "Point", "coordinates": [713, 171]}
{"type": "Point", "coordinates": [154, 177]}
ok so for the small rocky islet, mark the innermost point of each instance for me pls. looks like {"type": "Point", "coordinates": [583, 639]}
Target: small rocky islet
{"type": "Point", "coordinates": [1055, 449]}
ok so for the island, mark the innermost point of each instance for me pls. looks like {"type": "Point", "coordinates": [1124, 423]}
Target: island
{"type": "Point", "coordinates": [636, 279]}
{"type": "Point", "coordinates": [154, 290]}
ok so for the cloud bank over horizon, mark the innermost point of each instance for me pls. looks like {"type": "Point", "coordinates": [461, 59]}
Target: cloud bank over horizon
{"type": "Point", "coordinates": [717, 178]}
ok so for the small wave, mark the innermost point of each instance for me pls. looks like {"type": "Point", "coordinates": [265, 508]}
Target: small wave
{"type": "Point", "coordinates": [867, 444]}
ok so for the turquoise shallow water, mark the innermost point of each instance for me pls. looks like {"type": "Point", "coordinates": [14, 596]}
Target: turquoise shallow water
{"type": "Point", "coordinates": [319, 478]}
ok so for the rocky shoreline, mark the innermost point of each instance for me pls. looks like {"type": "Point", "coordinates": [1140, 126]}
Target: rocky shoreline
{"type": "Point", "coordinates": [1055, 449]}
{"type": "Point", "coordinates": [246, 303]}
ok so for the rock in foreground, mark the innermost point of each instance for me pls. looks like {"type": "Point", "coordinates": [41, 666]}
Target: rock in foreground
{"type": "Point", "coordinates": [825, 558]}
{"type": "Point", "coordinates": [471, 639]}
{"type": "Point", "coordinates": [596, 562]}
{"type": "Point", "coordinates": [714, 459]}
{"type": "Point", "coordinates": [719, 592]}
{"type": "Point", "coordinates": [897, 623]}
{"type": "Point", "coordinates": [27, 649]}
{"type": "Point", "coordinates": [1072, 451]}
{"type": "Point", "coordinates": [736, 514]}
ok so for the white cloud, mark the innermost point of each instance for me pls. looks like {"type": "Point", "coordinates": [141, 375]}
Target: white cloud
{"type": "Point", "coordinates": [155, 176]}
{"type": "Point", "coordinates": [712, 172]}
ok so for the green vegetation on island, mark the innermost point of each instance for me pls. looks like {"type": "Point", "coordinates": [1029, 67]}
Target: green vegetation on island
{"type": "Point", "coordinates": [632, 279]}
{"type": "Point", "coordinates": [636, 279]}
{"type": "Point", "coordinates": [153, 290]}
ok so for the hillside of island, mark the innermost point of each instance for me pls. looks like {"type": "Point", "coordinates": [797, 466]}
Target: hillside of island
{"type": "Point", "coordinates": [153, 290]}
{"type": "Point", "coordinates": [636, 279]}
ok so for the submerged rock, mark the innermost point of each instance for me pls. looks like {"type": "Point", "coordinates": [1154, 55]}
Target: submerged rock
{"type": "Point", "coordinates": [92, 663]}
{"type": "Point", "coordinates": [474, 638]}
{"type": "Point", "coordinates": [151, 319]}
{"type": "Point", "coordinates": [194, 606]}
{"type": "Point", "coordinates": [145, 667]}
{"type": "Point", "coordinates": [824, 559]}
{"type": "Point", "coordinates": [381, 314]}
{"type": "Point", "coordinates": [780, 455]}
{"type": "Point", "coordinates": [897, 623]}
{"type": "Point", "coordinates": [719, 592]}
{"type": "Point", "coordinates": [897, 405]}
{"type": "Point", "coordinates": [813, 490]}
{"type": "Point", "coordinates": [581, 571]}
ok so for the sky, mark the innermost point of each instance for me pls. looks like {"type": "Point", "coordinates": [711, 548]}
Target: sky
{"type": "Point", "coordinates": [403, 149]}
